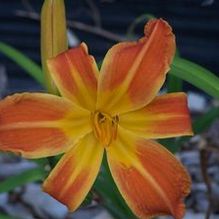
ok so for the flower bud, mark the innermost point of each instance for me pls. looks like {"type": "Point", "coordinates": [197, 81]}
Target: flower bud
{"type": "Point", "coordinates": [53, 35]}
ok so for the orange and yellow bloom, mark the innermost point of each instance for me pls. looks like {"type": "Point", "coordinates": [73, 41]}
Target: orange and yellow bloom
{"type": "Point", "coordinates": [116, 111]}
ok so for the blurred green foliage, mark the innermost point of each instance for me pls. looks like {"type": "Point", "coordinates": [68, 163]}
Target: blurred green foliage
{"type": "Point", "coordinates": [24, 62]}
{"type": "Point", "coordinates": [3, 216]}
{"type": "Point", "coordinates": [109, 196]}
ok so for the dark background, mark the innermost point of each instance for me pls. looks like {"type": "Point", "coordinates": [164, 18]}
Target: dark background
{"type": "Point", "coordinates": [195, 23]}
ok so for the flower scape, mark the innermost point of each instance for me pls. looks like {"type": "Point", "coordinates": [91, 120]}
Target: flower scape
{"type": "Point", "coordinates": [115, 110]}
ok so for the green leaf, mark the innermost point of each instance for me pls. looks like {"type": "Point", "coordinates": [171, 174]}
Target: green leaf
{"type": "Point", "coordinates": [88, 199]}
{"type": "Point", "coordinates": [41, 162]}
{"type": "Point", "coordinates": [196, 75]}
{"type": "Point", "coordinates": [174, 84]}
{"type": "Point", "coordinates": [170, 144]}
{"type": "Point", "coordinates": [24, 62]}
{"type": "Point", "coordinates": [112, 199]}
{"type": "Point", "coordinates": [3, 216]}
{"type": "Point", "coordinates": [21, 179]}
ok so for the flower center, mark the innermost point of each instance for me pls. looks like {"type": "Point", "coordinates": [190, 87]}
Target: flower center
{"type": "Point", "coordinates": [105, 127]}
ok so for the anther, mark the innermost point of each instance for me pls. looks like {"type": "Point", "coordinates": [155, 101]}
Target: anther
{"type": "Point", "coordinates": [105, 127]}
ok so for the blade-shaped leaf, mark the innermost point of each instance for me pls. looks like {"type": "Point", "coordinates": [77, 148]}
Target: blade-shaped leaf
{"type": "Point", "coordinates": [23, 61]}
{"type": "Point", "coordinates": [196, 75]}
{"type": "Point", "coordinates": [21, 179]}
{"type": "Point", "coordinates": [170, 144]}
{"type": "Point", "coordinates": [107, 190]}
{"type": "Point", "coordinates": [174, 84]}
{"type": "Point", "coordinates": [3, 216]}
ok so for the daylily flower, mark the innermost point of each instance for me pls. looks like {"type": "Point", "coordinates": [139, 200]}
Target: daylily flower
{"type": "Point", "coordinates": [116, 111]}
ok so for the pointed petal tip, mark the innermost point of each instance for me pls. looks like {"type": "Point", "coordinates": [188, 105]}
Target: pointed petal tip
{"type": "Point", "coordinates": [46, 189]}
{"type": "Point", "coordinates": [190, 133]}
{"type": "Point", "coordinates": [179, 211]}
{"type": "Point", "coordinates": [72, 178]}
{"type": "Point", "coordinates": [167, 30]}
{"type": "Point", "coordinates": [84, 46]}
{"type": "Point", "coordinates": [132, 73]}
{"type": "Point", "coordinates": [75, 74]}
{"type": "Point", "coordinates": [146, 178]}
{"type": "Point", "coordinates": [165, 117]}
{"type": "Point", "coordinates": [153, 23]}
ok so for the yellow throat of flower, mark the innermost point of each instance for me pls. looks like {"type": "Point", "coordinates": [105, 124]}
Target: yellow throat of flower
{"type": "Point", "coordinates": [104, 127]}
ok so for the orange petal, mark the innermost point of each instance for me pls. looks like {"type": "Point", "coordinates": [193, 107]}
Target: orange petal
{"type": "Point", "coordinates": [75, 75]}
{"type": "Point", "coordinates": [75, 173]}
{"type": "Point", "coordinates": [151, 180]}
{"type": "Point", "coordinates": [166, 116]}
{"type": "Point", "coordinates": [133, 73]}
{"type": "Point", "coordinates": [40, 125]}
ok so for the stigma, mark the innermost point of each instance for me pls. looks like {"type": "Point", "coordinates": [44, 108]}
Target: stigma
{"type": "Point", "coordinates": [104, 127]}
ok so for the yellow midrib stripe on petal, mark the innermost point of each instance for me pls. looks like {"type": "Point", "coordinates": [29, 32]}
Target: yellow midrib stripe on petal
{"type": "Point", "coordinates": [82, 157]}
{"type": "Point", "coordinates": [119, 92]}
{"type": "Point", "coordinates": [62, 125]}
{"type": "Point", "coordinates": [149, 118]}
{"type": "Point", "coordinates": [124, 154]}
{"type": "Point", "coordinates": [25, 125]}
{"type": "Point", "coordinates": [84, 95]}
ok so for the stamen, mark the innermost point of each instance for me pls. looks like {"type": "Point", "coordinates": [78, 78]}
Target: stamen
{"type": "Point", "coordinates": [105, 127]}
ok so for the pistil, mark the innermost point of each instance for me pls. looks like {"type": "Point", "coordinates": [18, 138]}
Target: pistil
{"type": "Point", "coordinates": [105, 127]}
